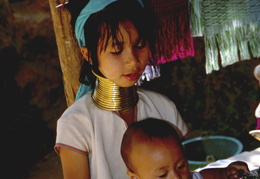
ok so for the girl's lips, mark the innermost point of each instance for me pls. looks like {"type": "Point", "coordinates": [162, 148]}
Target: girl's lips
{"type": "Point", "coordinates": [132, 76]}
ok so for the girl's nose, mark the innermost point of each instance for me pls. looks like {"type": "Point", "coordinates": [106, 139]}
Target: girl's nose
{"type": "Point", "coordinates": [132, 58]}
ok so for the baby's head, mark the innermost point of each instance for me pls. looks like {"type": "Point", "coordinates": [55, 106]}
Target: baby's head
{"type": "Point", "coordinates": [151, 148]}
{"type": "Point", "coordinates": [257, 72]}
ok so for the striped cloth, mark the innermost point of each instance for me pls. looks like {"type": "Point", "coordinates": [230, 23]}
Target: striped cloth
{"type": "Point", "coordinates": [230, 28]}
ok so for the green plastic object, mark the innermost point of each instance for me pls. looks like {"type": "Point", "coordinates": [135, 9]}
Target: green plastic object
{"type": "Point", "coordinates": [201, 151]}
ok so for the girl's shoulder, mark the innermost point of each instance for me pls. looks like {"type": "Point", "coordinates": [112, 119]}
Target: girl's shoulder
{"type": "Point", "coordinates": [158, 100]}
{"type": "Point", "coordinates": [153, 95]}
{"type": "Point", "coordinates": [84, 102]}
{"type": "Point", "coordinates": [80, 109]}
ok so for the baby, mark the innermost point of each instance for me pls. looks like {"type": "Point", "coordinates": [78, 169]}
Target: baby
{"type": "Point", "coordinates": [152, 149]}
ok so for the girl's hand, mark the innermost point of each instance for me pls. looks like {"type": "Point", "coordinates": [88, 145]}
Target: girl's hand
{"type": "Point", "coordinates": [236, 169]}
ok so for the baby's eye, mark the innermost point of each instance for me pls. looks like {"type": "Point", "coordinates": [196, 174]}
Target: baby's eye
{"type": "Point", "coordinates": [182, 166]}
{"type": "Point", "coordinates": [141, 44]}
{"type": "Point", "coordinates": [163, 175]}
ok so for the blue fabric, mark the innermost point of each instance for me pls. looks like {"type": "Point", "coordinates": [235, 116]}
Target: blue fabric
{"type": "Point", "coordinates": [83, 89]}
{"type": "Point", "coordinates": [92, 7]}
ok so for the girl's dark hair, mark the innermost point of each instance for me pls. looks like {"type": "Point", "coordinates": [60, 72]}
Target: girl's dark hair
{"type": "Point", "coordinates": [105, 23]}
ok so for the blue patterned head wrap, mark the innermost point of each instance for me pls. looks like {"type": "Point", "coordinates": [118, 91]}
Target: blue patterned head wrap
{"type": "Point", "coordinates": [93, 6]}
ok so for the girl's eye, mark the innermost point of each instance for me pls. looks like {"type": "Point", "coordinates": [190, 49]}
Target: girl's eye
{"type": "Point", "coordinates": [117, 51]}
{"type": "Point", "coordinates": [141, 44]}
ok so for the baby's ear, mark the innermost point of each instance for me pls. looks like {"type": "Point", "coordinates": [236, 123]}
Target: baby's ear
{"type": "Point", "coordinates": [84, 51]}
{"type": "Point", "coordinates": [132, 175]}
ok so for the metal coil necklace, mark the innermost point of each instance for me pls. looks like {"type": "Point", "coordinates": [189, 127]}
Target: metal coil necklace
{"type": "Point", "coordinates": [111, 97]}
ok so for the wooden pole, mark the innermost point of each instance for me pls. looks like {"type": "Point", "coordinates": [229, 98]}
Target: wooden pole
{"type": "Point", "coordinates": [68, 49]}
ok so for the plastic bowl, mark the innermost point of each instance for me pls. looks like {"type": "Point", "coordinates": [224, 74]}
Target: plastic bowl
{"type": "Point", "coordinates": [201, 151]}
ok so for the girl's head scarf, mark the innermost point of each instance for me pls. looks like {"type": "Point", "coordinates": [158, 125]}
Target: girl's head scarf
{"type": "Point", "coordinates": [92, 6]}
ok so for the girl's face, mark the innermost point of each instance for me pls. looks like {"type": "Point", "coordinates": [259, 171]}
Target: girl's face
{"type": "Point", "coordinates": [158, 160]}
{"type": "Point", "coordinates": [123, 62]}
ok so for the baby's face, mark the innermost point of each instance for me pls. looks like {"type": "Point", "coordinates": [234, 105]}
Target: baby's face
{"type": "Point", "coordinates": [158, 159]}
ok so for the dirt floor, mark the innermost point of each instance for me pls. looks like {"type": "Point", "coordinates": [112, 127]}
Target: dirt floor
{"type": "Point", "coordinates": [47, 168]}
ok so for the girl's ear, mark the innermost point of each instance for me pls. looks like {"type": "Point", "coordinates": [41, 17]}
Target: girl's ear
{"type": "Point", "coordinates": [84, 52]}
{"type": "Point", "coordinates": [132, 175]}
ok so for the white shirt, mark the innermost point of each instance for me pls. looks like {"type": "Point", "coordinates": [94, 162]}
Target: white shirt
{"type": "Point", "coordinates": [87, 129]}
{"type": "Point", "coordinates": [196, 175]}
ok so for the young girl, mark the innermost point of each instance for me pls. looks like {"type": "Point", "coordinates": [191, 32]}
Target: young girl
{"type": "Point", "coordinates": [152, 149]}
{"type": "Point", "coordinates": [114, 37]}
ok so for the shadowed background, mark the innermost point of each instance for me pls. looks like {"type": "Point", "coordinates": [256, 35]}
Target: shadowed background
{"type": "Point", "coordinates": [32, 92]}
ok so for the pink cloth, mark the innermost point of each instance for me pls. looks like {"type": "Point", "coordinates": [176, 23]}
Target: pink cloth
{"type": "Point", "coordinates": [258, 123]}
{"type": "Point", "coordinates": [257, 115]}
{"type": "Point", "coordinates": [173, 34]}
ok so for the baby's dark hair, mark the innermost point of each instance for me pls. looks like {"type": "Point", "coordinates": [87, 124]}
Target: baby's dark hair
{"type": "Point", "coordinates": [144, 131]}
{"type": "Point", "coordinates": [105, 23]}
